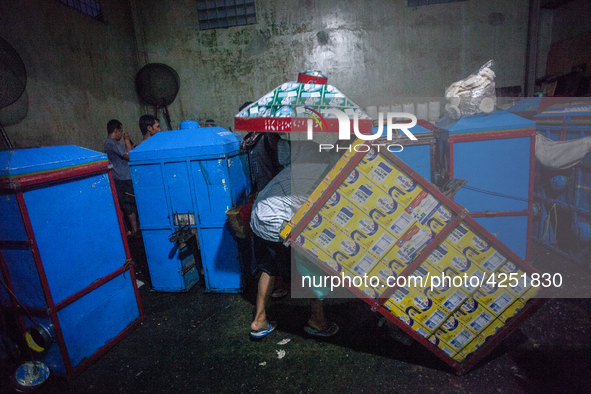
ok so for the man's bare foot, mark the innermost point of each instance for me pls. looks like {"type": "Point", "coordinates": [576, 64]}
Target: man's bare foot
{"type": "Point", "coordinates": [318, 325]}
{"type": "Point", "coordinates": [255, 326]}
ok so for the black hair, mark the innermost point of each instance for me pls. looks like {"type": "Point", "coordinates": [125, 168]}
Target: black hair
{"type": "Point", "coordinates": [147, 121]}
{"type": "Point", "coordinates": [113, 125]}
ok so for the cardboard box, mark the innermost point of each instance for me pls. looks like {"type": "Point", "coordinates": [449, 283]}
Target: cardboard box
{"type": "Point", "coordinates": [452, 263]}
{"type": "Point", "coordinates": [358, 226]}
{"type": "Point", "coordinates": [376, 203]}
{"type": "Point", "coordinates": [495, 302]}
{"type": "Point", "coordinates": [389, 177]}
{"type": "Point", "coordinates": [511, 311]}
{"type": "Point", "coordinates": [475, 248]}
{"type": "Point", "coordinates": [454, 334]}
{"type": "Point", "coordinates": [474, 316]}
{"type": "Point", "coordinates": [418, 307]}
{"type": "Point", "coordinates": [492, 329]}
{"type": "Point", "coordinates": [470, 348]}
{"type": "Point", "coordinates": [442, 345]}
{"type": "Point", "coordinates": [394, 310]}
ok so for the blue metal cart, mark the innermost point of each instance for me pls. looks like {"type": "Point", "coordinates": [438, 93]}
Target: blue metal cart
{"type": "Point", "coordinates": [189, 178]}
{"type": "Point", "coordinates": [495, 154]}
{"type": "Point", "coordinates": [64, 256]}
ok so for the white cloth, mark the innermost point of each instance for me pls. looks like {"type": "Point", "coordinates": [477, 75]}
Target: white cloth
{"type": "Point", "coordinates": [561, 154]}
{"type": "Point", "coordinates": [289, 190]}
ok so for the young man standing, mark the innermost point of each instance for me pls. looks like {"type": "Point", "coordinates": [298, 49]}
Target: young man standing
{"type": "Point", "coordinates": [149, 126]}
{"type": "Point", "coordinates": [118, 158]}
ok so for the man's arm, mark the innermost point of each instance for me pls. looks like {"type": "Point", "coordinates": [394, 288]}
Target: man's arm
{"type": "Point", "coordinates": [128, 144]}
{"type": "Point", "coordinates": [120, 151]}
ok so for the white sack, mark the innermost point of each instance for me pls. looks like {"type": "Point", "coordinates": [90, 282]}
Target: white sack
{"type": "Point", "coordinates": [561, 154]}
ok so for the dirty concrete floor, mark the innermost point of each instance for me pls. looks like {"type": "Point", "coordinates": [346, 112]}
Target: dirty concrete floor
{"type": "Point", "coordinates": [197, 342]}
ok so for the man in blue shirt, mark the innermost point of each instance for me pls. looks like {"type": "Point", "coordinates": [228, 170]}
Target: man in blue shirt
{"type": "Point", "coordinates": [118, 158]}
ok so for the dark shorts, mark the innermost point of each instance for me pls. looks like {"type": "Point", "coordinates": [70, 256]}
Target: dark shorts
{"type": "Point", "coordinates": [126, 196]}
{"type": "Point", "coordinates": [274, 258]}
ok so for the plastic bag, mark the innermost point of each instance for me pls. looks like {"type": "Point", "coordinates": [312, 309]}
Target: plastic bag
{"type": "Point", "coordinates": [473, 95]}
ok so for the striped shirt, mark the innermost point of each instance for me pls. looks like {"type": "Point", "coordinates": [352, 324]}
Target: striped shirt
{"type": "Point", "coordinates": [286, 193]}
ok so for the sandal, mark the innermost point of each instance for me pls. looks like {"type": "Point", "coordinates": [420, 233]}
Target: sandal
{"type": "Point", "coordinates": [331, 330]}
{"type": "Point", "coordinates": [263, 332]}
{"type": "Point", "coordinates": [279, 293]}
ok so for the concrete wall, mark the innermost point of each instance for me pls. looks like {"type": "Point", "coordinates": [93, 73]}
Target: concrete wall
{"type": "Point", "coordinates": [80, 72]}
{"type": "Point", "coordinates": [570, 20]}
{"type": "Point", "coordinates": [378, 52]}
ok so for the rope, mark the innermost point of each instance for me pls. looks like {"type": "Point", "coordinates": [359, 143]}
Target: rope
{"type": "Point", "coordinates": [496, 194]}
{"type": "Point", "coordinates": [547, 224]}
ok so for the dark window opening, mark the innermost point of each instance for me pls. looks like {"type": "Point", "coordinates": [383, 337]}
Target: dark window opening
{"type": "Point", "coordinates": [221, 14]}
{"type": "Point", "coordinates": [89, 7]}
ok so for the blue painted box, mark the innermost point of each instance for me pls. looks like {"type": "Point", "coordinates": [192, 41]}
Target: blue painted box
{"type": "Point", "coordinates": [417, 154]}
{"type": "Point", "coordinates": [565, 194]}
{"type": "Point", "coordinates": [63, 249]}
{"type": "Point", "coordinates": [190, 177]}
{"type": "Point", "coordinates": [495, 154]}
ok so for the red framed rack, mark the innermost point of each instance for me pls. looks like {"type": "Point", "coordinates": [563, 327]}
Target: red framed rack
{"type": "Point", "coordinates": [334, 181]}
{"type": "Point", "coordinates": [39, 293]}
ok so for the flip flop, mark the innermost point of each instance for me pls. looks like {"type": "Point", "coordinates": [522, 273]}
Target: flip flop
{"type": "Point", "coordinates": [331, 330]}
{"type": "Point", "coordinates": [279, 293]}
{"type": "Point", "coordinates": [263, 332]}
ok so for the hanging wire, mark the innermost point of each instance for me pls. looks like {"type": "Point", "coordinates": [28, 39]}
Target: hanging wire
{"type": "Point", "coordinates": [496, 194]}
{"type": "Point", "coordinates": [547, 224]}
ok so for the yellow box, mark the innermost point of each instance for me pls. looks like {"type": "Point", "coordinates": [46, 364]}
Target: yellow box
{"type": "Point", "coordinates": [314, 196]}
{"type": "Point", "coordinates": [442, 345]}
{"type": "Point", "coordinates": [410, 244]}
{"type": "Point", "coordinates": [492, 329]}
{"type": "Point", "coordinates": [475, 248]}
{"type": "Point", "coordinates": [321, 255]}
{"type": "Point", "coordinates": [375, 203]}
{"type": "Point", "coordinates": [511, 311]}
{"type": "Point", "coordinates": [454, 334]}
{"type": "Point", "coordinates": [344, 250]}
{"type": "Point", "coordinates": [358, 226]}
{"type": "Point", "coordinates": [474, 316]}
{"type": "Point", "coordinates": [371, 292]}
{"type": "Point", "coordinates": [453, 264]}
{"type": "Point", "coordinates": [447, 297]}
{"type": "Point", "coordinates": [328, 237]}
{"type": "Point", "coordinates": [385, 270]}
{"type": "Point", "coordinates": [517, 281]}
{"type": "Point", "coordinates": [299, 215]}
{"type": "Point", "coordinates": [386, 273]}
{"type": "Point", "coordinates": [496, 302]}
{"type": "Point", "coordinates": [389, 177]}
{"type": "Point", "coordinates": [317, 225]}
{"type": "Point", "coordinates": [427, 210]}
{"type": "Point", "coordinates": [419, 307]}
{"type": "Point", "coordinates": [458, 357]}
{"type": "Point", "coordinates": [470, 348]}
{"type": "Point", "coordinates": [394, 310]}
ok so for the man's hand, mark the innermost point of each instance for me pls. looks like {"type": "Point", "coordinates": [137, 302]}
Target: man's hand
{"type": "Point", "coordinates": [128, 144]}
